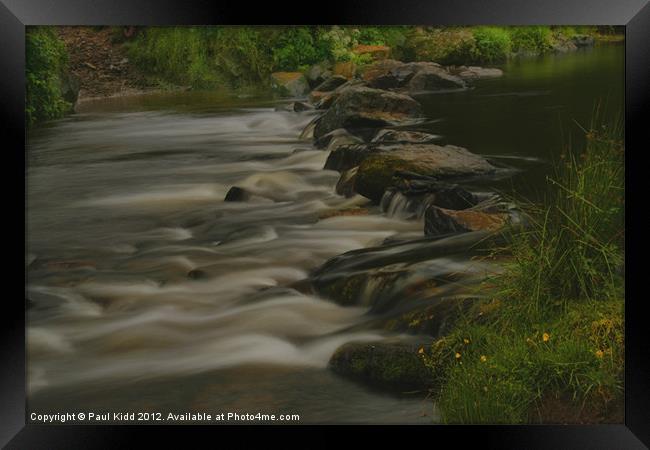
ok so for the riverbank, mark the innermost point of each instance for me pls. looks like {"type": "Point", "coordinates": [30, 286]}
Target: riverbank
{"type": "Point", "coordinates": [542, 339]}
{"type": "Point", "coordinates": [88, 63]}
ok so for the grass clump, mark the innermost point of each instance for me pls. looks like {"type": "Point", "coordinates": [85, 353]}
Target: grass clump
{"type": "Point", "coordinates": [548, 344]}
{"type": "Point", "coordinates": [46, 63]}
{"type": "Point", "coordinates": [491, 44]}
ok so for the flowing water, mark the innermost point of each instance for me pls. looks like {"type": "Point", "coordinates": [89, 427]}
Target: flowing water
{"type": "Point", "coordinates": [149, 292]}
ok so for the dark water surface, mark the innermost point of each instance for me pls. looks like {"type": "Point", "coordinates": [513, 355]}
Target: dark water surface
{"type": "Point", "coordinates": [126, 198]}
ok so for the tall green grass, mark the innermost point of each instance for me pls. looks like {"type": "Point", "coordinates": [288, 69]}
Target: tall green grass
{"type": "Point", "coordinates": [551, 331]}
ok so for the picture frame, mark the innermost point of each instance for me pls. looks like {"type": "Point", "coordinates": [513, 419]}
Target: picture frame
{"type": "Point", "coordinates": [633, 14]}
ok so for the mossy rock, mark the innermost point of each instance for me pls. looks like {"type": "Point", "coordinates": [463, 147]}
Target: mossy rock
{"type": "Point", "coordinates": [376, 172]}
{"type": "Point", "coordinates": [397, 365]}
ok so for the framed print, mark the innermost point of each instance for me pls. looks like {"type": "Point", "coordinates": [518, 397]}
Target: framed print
{"type": "Point", "coordinates": [373, 215]}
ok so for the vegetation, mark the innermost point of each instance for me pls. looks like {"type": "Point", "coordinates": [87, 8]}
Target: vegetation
{"type": "Point", "coordinates": [46, 61]}
{"type": "Point", "coordinates": [238, 56]}
{"type": "Point", "coordinates": [548, 343]}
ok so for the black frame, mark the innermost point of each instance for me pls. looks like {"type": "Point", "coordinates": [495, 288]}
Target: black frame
{"type": "Point", "coordinates": [634, 14]}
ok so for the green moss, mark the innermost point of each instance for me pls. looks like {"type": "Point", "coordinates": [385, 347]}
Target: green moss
{"type": "Point", "coordinates": [345, 290]}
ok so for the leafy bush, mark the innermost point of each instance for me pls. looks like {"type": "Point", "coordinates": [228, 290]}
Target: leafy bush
{"type": "Point", "coordinates": [492, 44]}
{"type": "Point", "coordinates": [46, 60]}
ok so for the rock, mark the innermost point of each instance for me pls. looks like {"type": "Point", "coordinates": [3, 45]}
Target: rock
{"type": "Point", "coordinates": [411, 202]}
{"type": "Point", "coordinates": [197, 274]}
{"type": "Point", "coordinates": [388, 136]}
{"type": "Point", "coordinates": [377, 170]}
{"type": "Point", "coordinates": [237, 194]}
{"type": "Point", "coordinates": [337, 138]}
{"type": "Point", "coordinates": [438, 221]}
{"type": "Point", "coordinates": [344, 212]}
{"type": "Point", "coordinates": [475, 72]}
{"type": "Point", "coordinates": [331, 83]}
{"type": "Point", "coordinates": [346, 69]}
{"type": "Point", "coordinates": [583, 40]}
{"type": "Point", "coordinates": [345, 185]}
{"type": "Point", "coordinates": [323, 100]}
{"type": "Point", "coordinates": [295, 107]}
{"type": "Point", "coordinates": [317, 73]}
{"type": "Point", "coordinates": [434, 79]}
{"type": "Point", "coordinates": [375, 51]}
{"type": "Point", "coordinates": [379, 69]}
{"type": "Point", "coordinates": [362, 107]}
{"type": "Point", "coordinates": [346, 157]}
{"type": "Point", "coordinates": [289, 84]}
{"type": "Point", "coordinates": [392, 364]}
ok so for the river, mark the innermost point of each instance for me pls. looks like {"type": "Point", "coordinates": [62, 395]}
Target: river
{"type": "Point", "coordinates": [125, 200]}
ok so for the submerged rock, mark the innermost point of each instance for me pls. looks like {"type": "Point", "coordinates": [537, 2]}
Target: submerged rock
{"type": "Point", "coordinates": [362, 107]}
{"type": "Point", "coordinates": [378, 168]}
{"type": "Point", "coordinates": [237, 194]}
{"type": "Point", "coordinates": [393, 364]}
{"type": "Point", "coordinates": [295, 107]}
{"type": "Point", "coordinates": [289, 84]}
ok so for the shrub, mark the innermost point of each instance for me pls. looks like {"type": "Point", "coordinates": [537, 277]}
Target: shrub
{"type": "Point", "coordinates": [492, 44]}
{"type": "Point", "coordinates": [45, 62]}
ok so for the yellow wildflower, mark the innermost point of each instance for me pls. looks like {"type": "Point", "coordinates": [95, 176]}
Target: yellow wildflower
{"type": "Point", "coordinates": [466, 341]}
{"type": "Point", "coordinates": [457, 355]}
{"type": "Point", "coordinates": [599, 353]}
{"type": "Point", "coordinates": [546, 337]}
{"type": "Point", "coordinates": [483, 358]}
{"type": "Point", "coordinates": [421, 350]}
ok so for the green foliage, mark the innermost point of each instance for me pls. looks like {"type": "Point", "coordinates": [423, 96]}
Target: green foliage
{"type": "Point", "coordinates": [534, 39]}
{"type": "Point", "coordinates": [46, 60]}
{"type": "Point", "coordinates": [491, 44]}
{"type": "Point", "coordinates": [295, 48]}
{"type": "Point", "coordinates": [553, 324]}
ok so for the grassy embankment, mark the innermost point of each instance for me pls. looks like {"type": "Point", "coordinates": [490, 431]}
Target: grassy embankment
{"type": "Point", "coordinates": [547, 345]}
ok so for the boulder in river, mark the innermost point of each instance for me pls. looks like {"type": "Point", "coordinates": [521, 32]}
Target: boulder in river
{"type": "Point", "coordinates": [237, 194]}
{"type": "Point", "coordinates": [392, 364]}
{"type": "Point", "coordinates": [337, 138]}
{"type": "Point", "coordinates": [378, 168]}
{"type": "Point", "coordinates": [476, 72]}
{"type": "Point", "coordinates": [346, 157]}
{"type": "Point", "coordinates": [290, 84]}
{"type": "Point", "coordinates": [295, 107]}
{"type": "Point", "coordinates": [388, 136]}
{"type": "Point", "coordinates": [583, 40]}
{"type": "Point", "coordinates": [345, 185]}
{"type": "Point", "coordinates": [323, 100]}
{"type": "Point", "coordinates": [362, 107]}
{"type": "Point", "coordinates": [439, 221]}
{"type": "Point", "coordinates": [434, 79]}
{"type": "Point", "coordinates": [318, 73]}
{"type": "Point", "coordinates": [331, 83]}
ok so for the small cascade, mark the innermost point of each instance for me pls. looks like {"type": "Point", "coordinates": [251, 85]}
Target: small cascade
{"type": "Point", "coordinates": [395, 204]}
